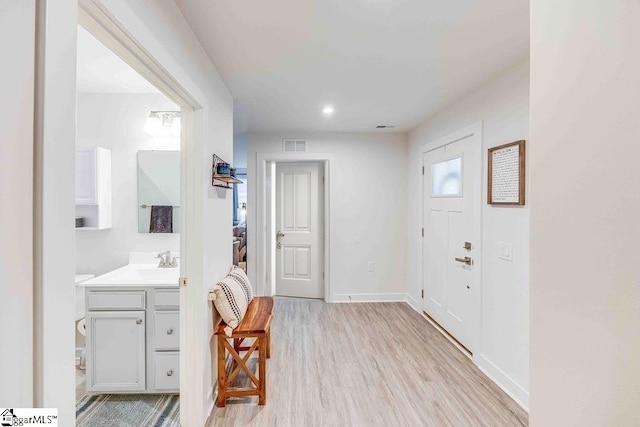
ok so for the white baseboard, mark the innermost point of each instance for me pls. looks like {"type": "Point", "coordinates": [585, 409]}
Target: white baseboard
{"type": "Point", "coordinates": [504, 381]}
{"type": "Point", "coordinates": [341, 298]}
{"type": "Point", "coordinates": [211, 396]}
{"type": "Point", "coordinates": [413, 303]}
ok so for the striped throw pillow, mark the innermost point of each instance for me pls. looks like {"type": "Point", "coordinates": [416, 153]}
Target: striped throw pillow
{"type": "Point", "coordinates": [231, 297]}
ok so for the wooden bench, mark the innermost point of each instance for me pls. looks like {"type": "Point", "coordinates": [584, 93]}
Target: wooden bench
{"type": "Point", "coordinates": [255, 324]}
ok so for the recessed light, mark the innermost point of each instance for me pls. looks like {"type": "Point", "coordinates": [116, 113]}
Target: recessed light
{"type": "Point", "coordinates": [328, 110]}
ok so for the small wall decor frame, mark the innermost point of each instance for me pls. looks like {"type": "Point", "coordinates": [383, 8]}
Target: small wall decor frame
{"type": "Point", "coordinates": [507, 174]}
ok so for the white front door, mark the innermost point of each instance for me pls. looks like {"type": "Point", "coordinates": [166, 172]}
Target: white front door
{"type": "Point", "coordinates": [299, 230]}
{"type": "Point", "coordinates": [451, 242]}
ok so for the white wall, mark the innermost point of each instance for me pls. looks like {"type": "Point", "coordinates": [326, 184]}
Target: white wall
{"type": "Point", "coordinates": [368, 209]}
{"type": "Point", "coordinates": [503, 107]}
{"type": "Point", "coordinates": [585, 188]}
{"type": "Point", "coordinates": [17, 35]}
{"type": "Point", "coordinates": [116, 122]}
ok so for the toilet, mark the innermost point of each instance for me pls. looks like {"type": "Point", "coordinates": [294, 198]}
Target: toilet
{"type": "Point", "coordinates": [80, 322]}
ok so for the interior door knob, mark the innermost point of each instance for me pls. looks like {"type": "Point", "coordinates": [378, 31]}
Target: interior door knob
{"type": "Point", "coordinates": [466, 260]}
{"type": "Point", "coordinates": [169, 331]}
{"type": "Point", "coordinates": [169, 372]}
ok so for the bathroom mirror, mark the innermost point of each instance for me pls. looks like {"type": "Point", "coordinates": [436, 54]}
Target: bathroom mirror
{"type": "Point", "coordinates": [158, 191]}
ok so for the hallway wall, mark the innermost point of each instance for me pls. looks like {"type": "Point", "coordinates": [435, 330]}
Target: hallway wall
{"type": "Point", "coordinates": [585, 187]}
{"type": "Point", "coordinates": [17, 36]}
{"type": "Point", "coordinates": [368, 209]}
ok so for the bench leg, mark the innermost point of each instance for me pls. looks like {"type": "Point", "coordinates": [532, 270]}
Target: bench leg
{"type": "Point", "coordinates": [269, 343]}
{"type": "Point", "coordinates": [262, 366]}
{"type": "Point", "coordinates": [222, 374]}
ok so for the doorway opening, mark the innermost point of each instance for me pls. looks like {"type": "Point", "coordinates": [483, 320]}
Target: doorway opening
{"type": "Point", "coordinates": [110, 32]}
{"type": "Point", "coordinates": [128, 223]}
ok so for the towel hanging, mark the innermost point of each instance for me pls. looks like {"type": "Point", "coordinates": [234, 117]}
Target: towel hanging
{"type": "Point", "coordinates": [161, 219]}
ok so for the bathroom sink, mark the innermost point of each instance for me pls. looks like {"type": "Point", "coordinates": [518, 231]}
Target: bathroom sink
{"type": "Point", "coordinates": [154, 273]}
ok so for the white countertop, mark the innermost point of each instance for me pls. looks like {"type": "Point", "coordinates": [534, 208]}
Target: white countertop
{"type": "Point", "coordinates": [137, 275]}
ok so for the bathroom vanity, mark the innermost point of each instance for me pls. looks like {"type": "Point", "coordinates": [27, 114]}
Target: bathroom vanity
{"type": "Point", "coordinates": [132, 329]}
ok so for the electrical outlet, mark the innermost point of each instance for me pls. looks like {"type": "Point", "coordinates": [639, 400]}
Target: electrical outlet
{"type": "Point", "coordinates": [370, 266]}
{"type": "Point", "coordinates": [505, 251]}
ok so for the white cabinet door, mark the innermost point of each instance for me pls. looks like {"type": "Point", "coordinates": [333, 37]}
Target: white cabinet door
{"type": "Point", "coordinates": [116, 351]}
{"type": "Point", "coordinates": [86, 191]}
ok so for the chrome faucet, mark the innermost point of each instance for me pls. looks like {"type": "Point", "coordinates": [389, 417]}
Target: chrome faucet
{"type": "Point", "coordinates": [165, 259]}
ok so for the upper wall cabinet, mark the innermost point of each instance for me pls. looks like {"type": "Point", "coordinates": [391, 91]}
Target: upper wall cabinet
{"type": "Point", "coordinates": [93, 188]}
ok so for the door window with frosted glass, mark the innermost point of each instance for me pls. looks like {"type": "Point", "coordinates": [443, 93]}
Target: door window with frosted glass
{"type": "Point", "coordinates": [446, 178]}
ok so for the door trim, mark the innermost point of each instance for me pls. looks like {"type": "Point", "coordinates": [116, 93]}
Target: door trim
{"type": "Point", "coordinates": [266, 279]}
{"type": "Point", "coordinates": [475, 131]}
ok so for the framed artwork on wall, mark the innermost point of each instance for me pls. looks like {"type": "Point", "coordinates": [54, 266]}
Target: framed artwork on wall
{"type": "Point", "coordinates": [506, 180]}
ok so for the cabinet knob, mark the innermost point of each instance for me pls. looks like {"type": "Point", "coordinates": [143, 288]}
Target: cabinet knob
{"type": "Point", "coordinates": [138, 321]}
{"type": "Point", "coordinates": [169, 331]}
{"type": "Point", "coordinates": [170, 372]}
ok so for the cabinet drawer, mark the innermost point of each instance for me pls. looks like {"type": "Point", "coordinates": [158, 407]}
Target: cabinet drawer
{"type": "Point", "coordinates": [167, 299]}
{"type": "Point", "coordinates": [166, 330]}
{"type": "Point", "coordinates": [167, 370]}
{"type": "Point", "coordinates": [116, 300]}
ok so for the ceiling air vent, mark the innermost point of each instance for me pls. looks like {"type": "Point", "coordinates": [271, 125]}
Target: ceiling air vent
{"type": "Point", "coordinates": [294, 145]}
{"type": "Point", "coordinates": [385, 126]}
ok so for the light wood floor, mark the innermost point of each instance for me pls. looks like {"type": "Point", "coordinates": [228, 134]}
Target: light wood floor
{"type": "Point", "coordinates": [367, 365]}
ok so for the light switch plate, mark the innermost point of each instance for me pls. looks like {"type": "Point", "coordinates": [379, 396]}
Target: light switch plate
{"type": "Point", "coordinates": [505, 251]}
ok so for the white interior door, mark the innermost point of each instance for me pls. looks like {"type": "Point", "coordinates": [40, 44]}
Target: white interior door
{"type": "Point", "coordinates": [299, 226]}
{"type": "Point", "coordinates": [451, 243]}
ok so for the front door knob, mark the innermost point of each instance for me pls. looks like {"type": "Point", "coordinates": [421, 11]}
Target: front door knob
{"type": "Point", "coordinates": [466, 260]}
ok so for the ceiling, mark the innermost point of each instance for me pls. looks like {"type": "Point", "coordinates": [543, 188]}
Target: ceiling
{"type": "Point", "coordinates": [102, 71]}
{"type": "Point", "coordinates": [377, 62]}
